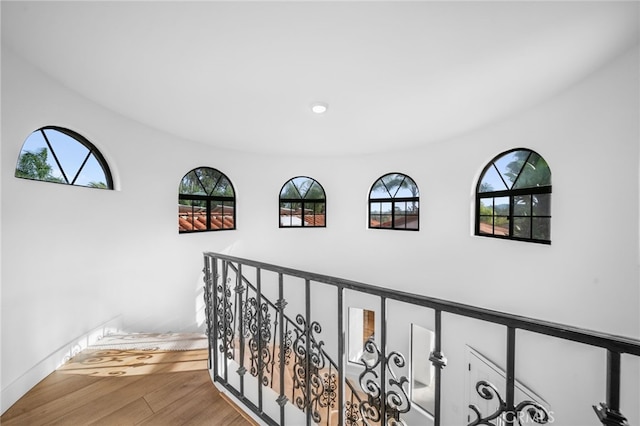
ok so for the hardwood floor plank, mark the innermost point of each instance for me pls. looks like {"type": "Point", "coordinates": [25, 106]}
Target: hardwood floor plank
{"type": "Point", "coordinates": [93, 392]}
{"type": "Point", "coordinates": [182, 410]}
{"type": "Point", "coordinates": [130, 414]}
{"type": "Point", "coordinates": [172, 391]}
{"type": "Point", "coordinates": [94, 410]}
{"type": "Point", "coordinates": [126, 388]}
{"type": "Point", "coordinates": [50, 388]}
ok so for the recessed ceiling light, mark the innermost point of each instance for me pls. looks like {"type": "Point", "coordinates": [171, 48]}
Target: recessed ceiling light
{"type": "Point", "coordinates": [319, 107]}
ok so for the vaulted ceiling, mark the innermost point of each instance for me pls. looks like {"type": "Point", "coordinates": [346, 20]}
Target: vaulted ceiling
{"type": "Point", "coordinates": [244, 74]}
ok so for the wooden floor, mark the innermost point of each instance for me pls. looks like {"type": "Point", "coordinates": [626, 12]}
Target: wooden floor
{"type": "Point", "coordinates": [113, 387]}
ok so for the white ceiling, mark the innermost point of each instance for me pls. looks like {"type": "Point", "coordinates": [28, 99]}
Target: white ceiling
{"type": "Point", "coordinates": [243, 74]}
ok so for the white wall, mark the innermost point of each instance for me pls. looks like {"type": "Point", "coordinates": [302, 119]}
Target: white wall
{"type": "Point", "coordinates": [73, 258]}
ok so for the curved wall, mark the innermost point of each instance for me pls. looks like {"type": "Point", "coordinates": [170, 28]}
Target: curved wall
{"type": "Point", "coordinates": [74, 258]}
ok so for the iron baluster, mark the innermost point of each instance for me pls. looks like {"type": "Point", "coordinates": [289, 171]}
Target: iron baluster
{"type": "Point", "coordinates": [439, 361]}
{"type": "Point", "coordinates": [282, 399]}
{"type": "Point", "coordinates": [609, 412]}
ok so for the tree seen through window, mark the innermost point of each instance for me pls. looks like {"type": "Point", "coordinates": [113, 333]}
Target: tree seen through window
{"type": "Point", "coordinates": [394, 203]}
{"type": "Point", "coordinates": [513, 197]}
{"type": "Point", "coordinates": [55, 154]}
{"type": "Point", "coordinates": [302, 203]}
{"type": "Point", "coordinates": [206, 201]}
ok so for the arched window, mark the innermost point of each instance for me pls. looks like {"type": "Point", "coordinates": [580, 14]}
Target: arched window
{"type": "Point", "coordinates": [394, 203]}
{"type": "Point", "coordinates": [513, 197]}
{"type": "Point", "coordinates": [55, 154]}
{"type": "Point", "coordinates": [206, 201]}
{"type": "Point", "coordinates": [302, 203]}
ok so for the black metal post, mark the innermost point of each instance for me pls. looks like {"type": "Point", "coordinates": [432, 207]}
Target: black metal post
{"type": "Point", "coordinates": [383, 370]}
{"type": "Point", "coordinates": [225, 307]}
{"type": "Point", "coordinates": [609, 412]}
{"type": "Point", "coordinates": [439, 362]}
{"type": "Point", "coordinates": [341, 355]}
{"type": "Point", "coordinates": [207, 308]}
{"type": "Point", "coordinates": [307, 361]}
{"type": "Point", "coordinates": [214, 312]}
{"type": "Point", "coordinates": [282, 399]}
{"type": "Point", "coordinates": [260, 343]}
{"type": "Point", "coordinates": [613, 380]}
{"type": "Point", "coordinates": [511, 375]}
{"type": "Point", "coordinates": [239, 289]}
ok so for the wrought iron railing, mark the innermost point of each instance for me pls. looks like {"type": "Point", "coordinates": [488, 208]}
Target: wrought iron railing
{"type": "Point", "coordinates": [266, 349]}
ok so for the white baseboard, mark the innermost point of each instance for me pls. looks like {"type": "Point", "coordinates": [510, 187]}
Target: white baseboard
{"type": "Point", "coordinates": [16, 389]}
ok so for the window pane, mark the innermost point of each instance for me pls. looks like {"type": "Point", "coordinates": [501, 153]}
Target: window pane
{"type": "Point", "coordinates": [227, 215]}
{"type": "Point", "coordinates": [191, 185]}
{"type": "Point", "coordinates": [375, 207]}
{"type": "Point", "coordinates": [192, 215]}
{"type": "Point", "coordinates": [510, 164]}
{"type": "Point", "coordinates": [92, 174]}
{"type": "Point", "coordinates": [522, 205]}
{"type": "Point", "coordinates": [69, 151]}
{"type": "Point", "coordinates": [535, 173]}
{"type": "Point", "coordinates": [486, 206]}
{"type": "Point", "coordinates": [407, 188]}
{"type": "Point", "coordinates": [501, 206]}
{"type": "Point", "coordinates": [379, 190]}
{"type": "Point", "coordinates": [491, 181]}
{"type": "Point", "coordinates": [221, 215]}
{"type": "Point", "coordinates": [393, 182]}
{"type": "Point", "coordinates": [501, 219]}
{"type": "Point", "coordinates": [290, 214]}
{"type": "Point", "coordinates": [541, 228]}
{"type": "Point", "coordinates": [290, 191]}
{"type": "Point", "coordinates": [486, 225]}
{"type": "Point", "coordinates": [37, 162]}
{"type": "Point", "coordinates": [314, 214]}
{"type": "Point", "coordinates": [208, 177]}
{"type": "Point", "coordinates": [315, 192]}
{"type": "Point", "coordinates": [542, 204]}
{"type": "Point", "coordinates": [385, 215]}
{"type": "Point", "coordinates": [406, 216]}
{"type": "Point", "coordinates": [399, 221]}
{"type": "Point", "coordinates": [522, 227]}
{"type": "Point", "coordinates": [223, 188]}
{"type": "Point", "coordinates": [501, 225]}
{"type": "Point", "coordinates": [302, 184]}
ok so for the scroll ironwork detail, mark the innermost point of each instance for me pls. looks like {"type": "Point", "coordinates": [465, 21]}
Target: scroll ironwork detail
{"type": "Point", "coordinates": [394, 396]}
{"type": "Point", "coordinates": [317, 386]}
{"type": "Point", "coordinates": [257, 329]}
{"type": "Point", "coordinates": [488, 391]}
{"type": "Point", "coordinates": [224, 320]}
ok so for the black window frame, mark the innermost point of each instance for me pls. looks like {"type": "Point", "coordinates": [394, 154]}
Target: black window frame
{"type": "Point", "coordinates": [511, 195]}
{"type": "Point", "coordinates": [210, 201]}
{"type": "Point", "coordinates": [92, 150]}
{"type": "Point", "coordinates": [393, 200]}
{"type": "Point", "coordinates": [304, 202]}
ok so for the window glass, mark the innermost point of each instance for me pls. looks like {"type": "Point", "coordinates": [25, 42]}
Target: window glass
{"type": "Point", "coordinates": [394, 202]}
{"type": "Point", "coordinates": [302, 203]}
{"type": "Point", "coordinates": [55, 154]}
{"type": "Point", "coordinates": [513, 197]}
{"type": "Point", "coordinates": [206, 201]}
